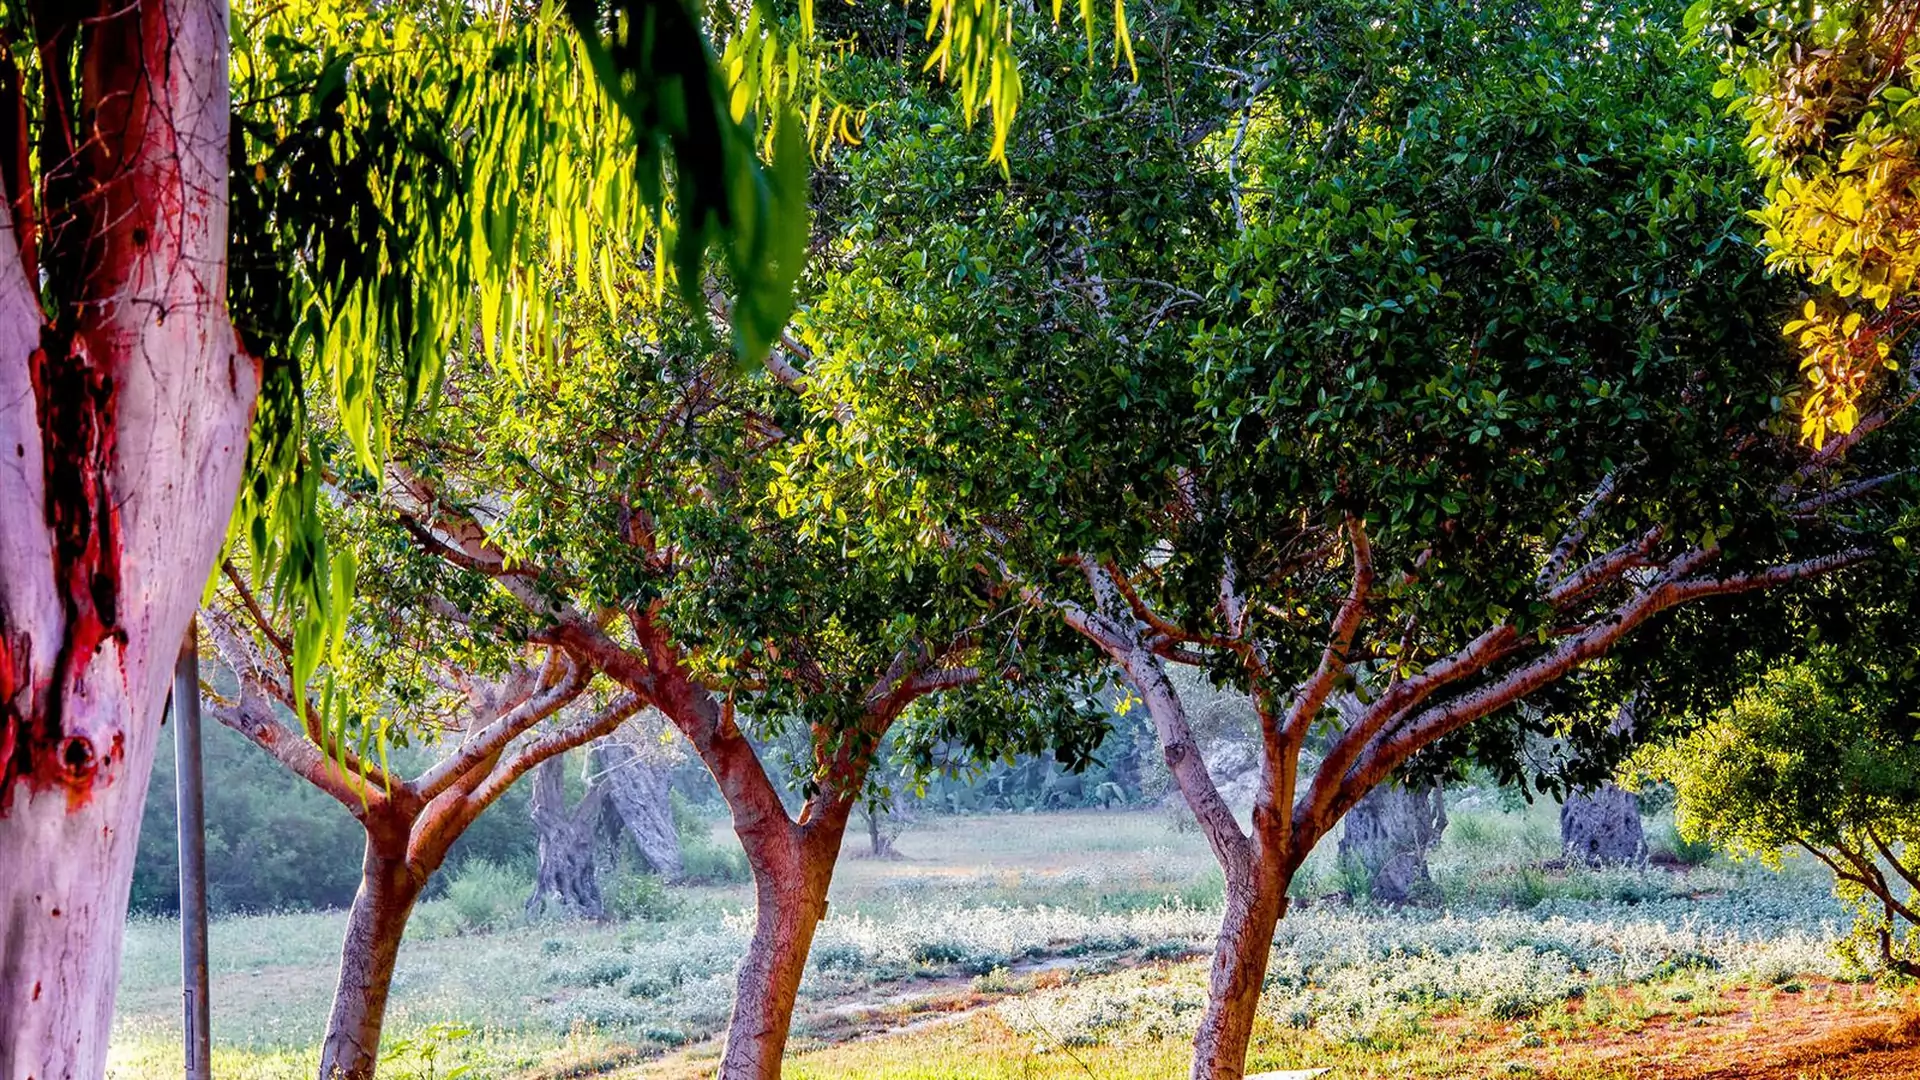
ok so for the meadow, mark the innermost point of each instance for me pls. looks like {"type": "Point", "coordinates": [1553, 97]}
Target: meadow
{"type": "Point", "coordinates": [1070, 944]}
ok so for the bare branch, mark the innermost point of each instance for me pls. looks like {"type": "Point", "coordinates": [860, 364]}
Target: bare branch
{"type": "Point", "coordinates": [1576, 533]}
{"type": "Point", "coordinates": [1848, 492]}
{"type": "Point", "coordinates": [1606, 569]}
{"type": "Point", "coordinates": [253, 716]}
{"type": "Point", "coordinates": [492, 739]}
{"type": "Point", "coordinates": [558, 741]}
{"type": "Point", "coordinates": [1346, 623]}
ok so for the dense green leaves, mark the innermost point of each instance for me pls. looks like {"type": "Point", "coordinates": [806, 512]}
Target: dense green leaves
{"type": "Point", "coordinates": [1822, 755]}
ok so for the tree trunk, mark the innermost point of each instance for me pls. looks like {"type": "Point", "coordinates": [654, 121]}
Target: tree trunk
{"type": "Point", "coordinates": [375, 926]}
{"type": "Point", "coordinates": [1602, 827]}
{"type": "Point", "coordinates": [1240, 956]}
{"type": "Point", "coordinates": [1387, 837]}
{"type": "Point", "coordinates": [123, 425]}
{"type": "Point", "coordinates": [879, 841]}
{"type": "Point", "coordinates": [642, 794]}
{"type": "Point", "coordinates": [566, 875]}
{"type": "Point", "coordinates": [790, 877]}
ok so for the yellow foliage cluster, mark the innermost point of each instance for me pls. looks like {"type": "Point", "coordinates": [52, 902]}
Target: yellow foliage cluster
{"type": "Point", "coordinates": [1836, 130]}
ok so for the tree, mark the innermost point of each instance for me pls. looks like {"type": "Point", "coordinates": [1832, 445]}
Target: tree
{"type": "Point", "coordinates": [124, 403]}
{"type": "Point", "coordinates": [565, 877]}
{"type": "Point", "coordinates": [616, 510]}
{"type": "Point", "coordinates": [640, 786]}
{"type": "Point", "coordinates": [130, 391]}
{"type": "Point", "coordinates": [1820, 756]}
{"type": "Point", "coordinates": [1829, 94]}
{"type": "Point", "coordinates": [1459, 399]}
{"type": "Point", "coordinates": [1602, 825]}
{"type": "Point", "coordinates": [1387, 836]}
{"type": "Point", "coordinates": [494, 718]}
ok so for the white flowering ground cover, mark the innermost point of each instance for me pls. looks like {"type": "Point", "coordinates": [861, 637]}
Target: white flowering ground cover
{"type": "Point", "coordinates": [1060, 953]}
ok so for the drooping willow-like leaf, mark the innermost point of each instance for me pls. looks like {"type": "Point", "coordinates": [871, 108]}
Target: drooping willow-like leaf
{"type": "Point", "coordinates": [412, 182]}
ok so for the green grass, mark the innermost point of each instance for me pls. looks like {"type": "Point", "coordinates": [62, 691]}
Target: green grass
{"type": "Point", "coordinates": [1072, 937]}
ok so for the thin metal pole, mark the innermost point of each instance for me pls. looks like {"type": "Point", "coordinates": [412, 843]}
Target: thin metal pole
{"type": "Point", "coordinates": [188, 788]}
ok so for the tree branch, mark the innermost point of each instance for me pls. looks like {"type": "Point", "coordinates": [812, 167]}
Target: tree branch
{"type": "Point", "coordinates": [1576, 533]}
{"type": "Point", "coordinates": [493, 739]}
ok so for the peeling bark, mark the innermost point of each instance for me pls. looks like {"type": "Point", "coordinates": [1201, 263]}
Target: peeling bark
{"type": "Point", "coordinates": [1239, 971]}
{"type": "Point", "coordinates": [791, 873]}
{"type": "Point", "coordinates": [124, 411]}
{"type": "Point", "coordinates": [377, 922]}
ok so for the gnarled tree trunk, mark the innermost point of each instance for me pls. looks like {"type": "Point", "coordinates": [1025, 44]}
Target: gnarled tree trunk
{"type": "Point", "coordinates": [1602, 827]}
{"type": "Point", "coordinates": [1388, 834]}
{"type": "Point", "coordinates": [642, 794]}
{"type": "Point", "coordinates": [375, 926]}
{"type": "Point", "coordinates": [124, 409]}
{"type": "Point", "coordinates": [566, 874]}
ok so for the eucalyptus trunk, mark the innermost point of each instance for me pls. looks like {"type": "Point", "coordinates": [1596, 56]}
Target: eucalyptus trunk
{"type": "Point", "coordinates": [124, 409]}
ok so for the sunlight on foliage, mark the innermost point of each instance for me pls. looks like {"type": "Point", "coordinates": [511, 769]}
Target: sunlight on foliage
{"type": "Point", "coordinates": [1835, 132]}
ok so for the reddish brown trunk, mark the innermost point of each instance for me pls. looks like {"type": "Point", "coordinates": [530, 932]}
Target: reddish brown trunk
{"type": "Point", "coordinates": [791, 873]}
{"type": "Point", "coordinates": [375, 926]}
{"type": "Point", "coordinates": [1253, 910]}
{"type": "Point", "coordinates": [123, 427]}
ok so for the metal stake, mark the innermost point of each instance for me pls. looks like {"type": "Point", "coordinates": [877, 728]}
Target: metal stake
{"type": "Point", "coordinates": [189, 787]}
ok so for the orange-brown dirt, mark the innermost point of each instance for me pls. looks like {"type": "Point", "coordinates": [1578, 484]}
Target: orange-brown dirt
{"type": "Point", "coordinates": [1827, 1031]}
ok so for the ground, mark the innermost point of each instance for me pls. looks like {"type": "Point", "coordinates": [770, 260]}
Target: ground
{"type": "Point", "coordinates": [1073, 945]}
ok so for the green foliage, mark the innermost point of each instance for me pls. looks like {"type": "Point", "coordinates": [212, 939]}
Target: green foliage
{"type": "Point", "coordinates": [642, 897]}
{"type": "Point", "coordinates": [404, 179]}
{"type": "Point", "coordinates": [707, 862]}
{"type": "Point", "coordinates": [1817, 757]}
{"type": "Point", "coordinates": [272, 845]}
{"type": "Point", "coordinates": [483, 895]}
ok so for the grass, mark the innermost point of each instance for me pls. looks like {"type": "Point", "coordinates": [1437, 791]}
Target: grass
{"type": "Point", "coordinates": [1034, 945]}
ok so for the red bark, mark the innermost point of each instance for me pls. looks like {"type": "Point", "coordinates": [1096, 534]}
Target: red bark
{"type": "Point", "coordinates": [124, 409]}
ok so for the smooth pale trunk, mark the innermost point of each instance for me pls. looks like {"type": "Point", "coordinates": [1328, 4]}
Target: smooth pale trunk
{"type": "Point", "coordinates": [152, 414]}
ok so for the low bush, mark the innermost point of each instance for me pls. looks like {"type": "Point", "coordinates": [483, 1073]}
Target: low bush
{"type": "Point", "coordinates": [707, 863]}
{"type": "Point", "coordinates": [484, 895]}
{"type": "Point", "coordinates": [641, 898]}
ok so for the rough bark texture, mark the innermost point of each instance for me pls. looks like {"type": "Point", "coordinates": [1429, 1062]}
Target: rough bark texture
{"type": "Point", "coordinates": [879, 840]}
{"type": "Point", "coordinates": [791, 873]}
{"type": "Point", "coordinates": [642, 794]}
{"type": "Point", "coordinates": [123, 430]}
{"type": "Point", "coordinates": [567, 882]}
{"type": "Point", "coordinates": [1602, 827]}
{"type": "Point", "coordinates": [1240, 956]}
{"type": "Point", "coordinates": [375, 926]}
{"type": "Point", "coordinates": [1388, 834]}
